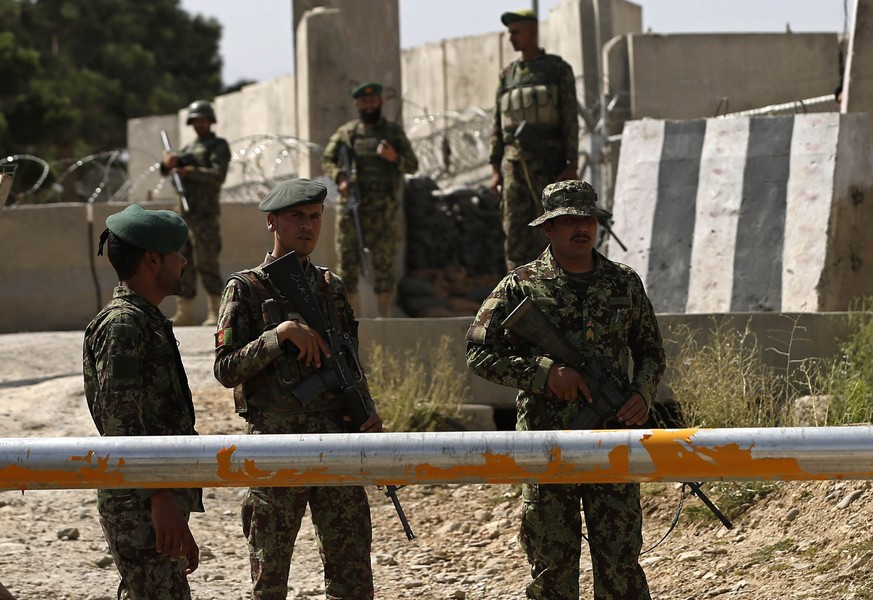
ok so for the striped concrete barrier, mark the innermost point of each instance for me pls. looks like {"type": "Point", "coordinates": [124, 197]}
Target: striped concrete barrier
{"type": "Point", "coordinates": [748, 213]}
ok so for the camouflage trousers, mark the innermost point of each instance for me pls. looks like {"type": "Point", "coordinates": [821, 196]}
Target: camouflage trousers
{"type": "Point", "coordinates": [271, 519]}
{"type": "Point", "coordinates": [378, 215]}
{"type": "Point", "coordinates": [522, 203]}
{"type": "Point", "coordinates": [551, 535]}
{"type": "Point", "coordinates": [201, 251]}
{"type": "Point", "coordinates": [145, 574]}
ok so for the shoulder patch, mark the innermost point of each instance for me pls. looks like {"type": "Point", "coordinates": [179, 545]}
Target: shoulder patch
{"type": "Point", "coordinates": [224, 337]}
{"type": "Point", "coordinates": [123, 368]}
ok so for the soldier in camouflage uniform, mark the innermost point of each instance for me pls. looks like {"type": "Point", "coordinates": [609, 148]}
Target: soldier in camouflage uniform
{"type": "Point", "coordinates": [202, 165]}
{"type": "Point", "coordinates": [538, 90]}
{"type": "Point", "coordinates": [603, 310]}
{"type": "Point", "coordinates": [135, 385]}
{"type": "Point", "coordinates": [380, 155]}
{"type": "Point", "coordinates": [263, 357]}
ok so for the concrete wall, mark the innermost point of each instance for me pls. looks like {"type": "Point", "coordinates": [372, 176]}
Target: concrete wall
{"type": "Point", "coordinates": [341, 44]}
{"type": "Point", "coordinates": [686, 76]}
{"type": "Point", "coordinates": [65, 285]}
{"type": "Point", "coordinates": [146, 150]}
{"type": "Point", "coordinates": [857, 83]}
{"type": "Point", "coordinates": [748, 214]}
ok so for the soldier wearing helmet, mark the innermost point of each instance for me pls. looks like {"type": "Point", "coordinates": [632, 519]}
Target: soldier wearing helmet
{"type": "Point", "coordinates": [535, 94]}
{"type": "Point", "coordinates": [202, 165]}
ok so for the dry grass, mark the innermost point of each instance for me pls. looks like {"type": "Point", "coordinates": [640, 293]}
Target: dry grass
{"type": "Point", "coordinates": [417, 390]}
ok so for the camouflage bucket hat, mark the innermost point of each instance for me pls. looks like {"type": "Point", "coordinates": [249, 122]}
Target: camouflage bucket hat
{"type": "Point", "coordinates": [570, 198]}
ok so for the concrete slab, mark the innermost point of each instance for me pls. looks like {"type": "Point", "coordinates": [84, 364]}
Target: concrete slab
{"type": "Point", "coordinates": [749, 213]}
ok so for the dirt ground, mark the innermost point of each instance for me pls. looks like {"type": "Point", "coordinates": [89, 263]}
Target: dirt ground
{"type": "Point", "coordinates": [803, 540]}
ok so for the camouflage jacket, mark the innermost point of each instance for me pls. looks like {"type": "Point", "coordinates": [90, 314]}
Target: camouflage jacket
{"type": "Point", "coordinates": [375, 175]}
{"type": "Point", "coordinates": [614, 320]}
{"type": "Point", "coordinates": [248, 356]}
{"type": "Point", "coordinates": [209, 156]}
{"type": "Point", "coordinates": [560, 139]}
{"type": "Point", "coordinates": [135, 384]}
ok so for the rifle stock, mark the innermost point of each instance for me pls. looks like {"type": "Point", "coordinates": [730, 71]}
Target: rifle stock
{"type": "Point", "coordinates": [529, 323]}
{"type": "Point", "coordinates": [177, 181]}
{"type": "Point", "coordinates": [342, 372]}
{"type": "Point", "coordinates": [353, 207]}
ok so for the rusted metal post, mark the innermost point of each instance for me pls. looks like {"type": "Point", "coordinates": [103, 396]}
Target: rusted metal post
{"type": "Point", "coordinates": [811, 453]}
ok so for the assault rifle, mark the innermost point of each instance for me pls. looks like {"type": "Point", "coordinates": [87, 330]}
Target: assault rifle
{"type": "Point", "coordinates": [342, 372]}
{"type": "Point", "coordinates": [529, 323]}
{"type": "Point", "coordinates": [177, 181]}
{"type": "Point", "coordinates": [353, 206]}
{"type": "Point", "coordinates": [528, 137]}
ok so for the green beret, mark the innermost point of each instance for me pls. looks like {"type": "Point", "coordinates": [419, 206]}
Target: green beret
{"type": "Point", "coordinates": [294, 192]}
{"type": "Point", "coordinates": [570, 198]}
{"type": "Point", "coordinates": [524, 14]}
{"type": "Point", "coordinates": [371, 88]}
{"type": "Point", "coordinates": [161, 231]}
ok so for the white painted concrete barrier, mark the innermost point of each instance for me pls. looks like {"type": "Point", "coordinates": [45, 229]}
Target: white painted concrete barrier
{"type": "Point", "coordinates": [748, 213]}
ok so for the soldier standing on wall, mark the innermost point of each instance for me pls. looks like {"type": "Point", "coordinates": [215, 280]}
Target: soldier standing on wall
{"type": "Point", "coordinates": [380, 154]}
{"type": "Point", "coordinates": [537, 91]}
{"type": "Point", "coordinates": [202, 165]}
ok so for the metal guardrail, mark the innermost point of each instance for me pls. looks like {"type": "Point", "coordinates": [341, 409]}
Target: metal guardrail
{"type": "Point", "coordinates": [641, 455]}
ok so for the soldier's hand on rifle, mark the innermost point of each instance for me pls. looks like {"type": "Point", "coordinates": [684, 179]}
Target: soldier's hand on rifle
{"type": "Point", "coordinates": [566, 383]}
{"type": "Point", "coordinates": [342, 184]}
{"type": "Point", "coordinates": [170, 161]}
{"type": "Point", "coordinates": [312, 346]}
{"type": "Point", "coordinates": [635, 411]}
{"type": "Point", "coordinates": [372, 425]}
{"type": "Point", "coordinates": [386, 151]}
{"type": "Point", "coordinates": [496, 183]}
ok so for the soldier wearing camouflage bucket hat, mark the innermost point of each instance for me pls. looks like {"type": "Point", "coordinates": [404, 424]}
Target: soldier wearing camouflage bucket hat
{"type": "Point", "coordinates": [379, 154]}
{"type": "Point", "coordinates": [135, 385]}
{"type": "Point", "coordinates": [534, 135]}
{"type": "Point", "coordinates": [202, 166]}
{"type": "Point", "coordinates": [263, 349]}
{"type": "Point", "coordinates": [603, 311]}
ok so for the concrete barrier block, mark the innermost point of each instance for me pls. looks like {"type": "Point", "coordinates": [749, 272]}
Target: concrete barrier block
{"type": "Point", "coordinates": [749, 213]}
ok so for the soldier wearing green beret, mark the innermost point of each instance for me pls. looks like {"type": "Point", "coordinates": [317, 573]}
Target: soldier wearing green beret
{"type": "Point", "coordinates": [264, 350]}
{"type": "Point", "coordinates": [135, 385]}
{"type": "Point", "coordinates": [538, 92]}
{"type": "Point", "coordinates": [602, 309]}
{"type": "Point", "coordinates": [380, 154]}
{"type": "Point", "coordinates": [202, 165]}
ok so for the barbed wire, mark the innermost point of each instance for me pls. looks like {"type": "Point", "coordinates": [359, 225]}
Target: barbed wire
{"type": "Point", "coordinates": [450, 146]}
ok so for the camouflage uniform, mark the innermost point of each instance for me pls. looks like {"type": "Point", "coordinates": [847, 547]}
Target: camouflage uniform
{"type": "Point", "coordinates": [379, 182]}
{"type": "Point", "coordinates": [614, 319]}
{"type": "Point", "coordinates": [541, 92]}
{"type": "Point", "coordinates": [248, 358]}
{"type": "Point", "coordinates": [135, 385]}
{"type": "Point", "coordinates": [209, 156]}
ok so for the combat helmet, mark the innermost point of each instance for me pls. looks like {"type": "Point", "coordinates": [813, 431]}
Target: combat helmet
{"type": "Point", "coordinates": [200, 108]}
